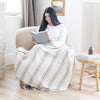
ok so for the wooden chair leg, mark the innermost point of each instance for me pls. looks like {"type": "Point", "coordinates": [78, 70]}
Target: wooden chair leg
{"type": "Point", "coordinates": [81, 78]}
{"type": "Point", "coordinates": [97, 76]}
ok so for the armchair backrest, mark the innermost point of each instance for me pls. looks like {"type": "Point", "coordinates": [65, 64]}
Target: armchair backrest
{"type": "Point", "coordinates": [24, 39]}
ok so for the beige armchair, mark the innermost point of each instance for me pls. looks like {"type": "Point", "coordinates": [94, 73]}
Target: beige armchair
{"type": "Point", "coordinates": [24, 39]}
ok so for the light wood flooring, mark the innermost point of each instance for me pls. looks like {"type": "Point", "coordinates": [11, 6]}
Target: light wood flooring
{"type": "Point", "coordinates": [10, 89]}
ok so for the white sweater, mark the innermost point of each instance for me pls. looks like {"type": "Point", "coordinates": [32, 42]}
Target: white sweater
{"type": "Point", "coordinates": [57, 34]}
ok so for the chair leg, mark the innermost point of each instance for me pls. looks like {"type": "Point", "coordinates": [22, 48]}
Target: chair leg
{"type": "Point", "coordinates": [97, 76]}
{"type": "Point", "coordinates": [81, 78]}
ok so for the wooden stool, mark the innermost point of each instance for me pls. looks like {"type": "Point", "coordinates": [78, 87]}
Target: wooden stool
{"type": "Point", "coordinates": [96, 62]}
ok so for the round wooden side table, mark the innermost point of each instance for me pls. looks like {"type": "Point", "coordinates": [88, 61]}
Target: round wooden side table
{"type": "Point", "coordinates": [96, 62]}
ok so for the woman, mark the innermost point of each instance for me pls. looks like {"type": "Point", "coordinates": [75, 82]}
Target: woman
{"type": "Point", "coordinates": [45, 67]}
{"type": "Point", "coordinates": [56, 30]}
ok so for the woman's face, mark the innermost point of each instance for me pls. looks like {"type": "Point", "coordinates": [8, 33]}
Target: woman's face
{"type": "Point", "coordinates": [47, 18]}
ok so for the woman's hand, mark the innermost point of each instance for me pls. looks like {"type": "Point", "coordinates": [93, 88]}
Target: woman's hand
{"type": "Point", "coordinates": [33, 40]}
{"type": "Point", "coordinates": [50, 41]}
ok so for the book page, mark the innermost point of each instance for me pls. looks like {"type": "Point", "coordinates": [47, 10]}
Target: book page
{"type": "Point", "coordinates": [40, 37]}
{"type": "Point", "coordinates": [43, 38]}
{"type": "Point", "coordinates": [35, 37]}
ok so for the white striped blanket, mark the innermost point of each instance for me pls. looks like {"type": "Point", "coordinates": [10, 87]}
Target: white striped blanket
{"type": "Point", "coordinates": [45, 67]}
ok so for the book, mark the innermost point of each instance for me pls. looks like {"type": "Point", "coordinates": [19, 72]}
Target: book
{"type": "Point", "coordinates": [40, 37]}
{"type": "Point", "coordinates": [87, 57]}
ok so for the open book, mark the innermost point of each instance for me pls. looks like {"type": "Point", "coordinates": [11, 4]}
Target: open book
{"type": "Point", "coordinates": [40, 37]}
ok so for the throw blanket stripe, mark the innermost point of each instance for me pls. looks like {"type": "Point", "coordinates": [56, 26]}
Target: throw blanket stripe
{"type": "Point", "coordinates": [58, 70]}
{"type": "Point", "coordinates": [63, 78]}
{"type": "Point", "coordinates": [45, 67]}
{"type": "Point", "coordinates": [19, 63]}
{"type": "Point", "coordinates": [28, 65]}
{"type": "Point", "coordinates": [48, 69]}
{"type": "Point", "coordinates": [38, 67]}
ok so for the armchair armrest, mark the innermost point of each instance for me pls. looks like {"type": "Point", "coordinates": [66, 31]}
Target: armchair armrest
{"type": "Point", "coordinates": [23, 38]}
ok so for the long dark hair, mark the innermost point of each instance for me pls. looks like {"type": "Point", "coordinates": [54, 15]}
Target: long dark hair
{"type": "Point", "coordinates": [53, 18]}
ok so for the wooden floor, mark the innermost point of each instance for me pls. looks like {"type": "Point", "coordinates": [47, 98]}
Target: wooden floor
{"type": "Point", "coordinates": [10, 90]}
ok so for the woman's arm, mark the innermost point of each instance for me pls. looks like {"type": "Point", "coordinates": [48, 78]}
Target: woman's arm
{"type": "Point", "coordinates": [62, 35]}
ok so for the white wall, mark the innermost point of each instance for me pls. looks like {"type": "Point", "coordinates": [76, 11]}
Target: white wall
{"type": "Point", "coordinates": [90, 27]}
{"type": "Point", "coordinates": [40, 7]}
{"type": "Point", "coordinates": [87, 26]}
{"type": "Point", "coordinates": [96, 26]}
